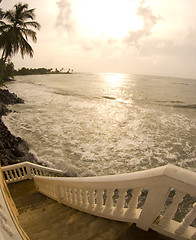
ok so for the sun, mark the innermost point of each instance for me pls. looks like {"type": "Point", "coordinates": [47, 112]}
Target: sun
{"type": "Point", "coordinates": [107, 18]}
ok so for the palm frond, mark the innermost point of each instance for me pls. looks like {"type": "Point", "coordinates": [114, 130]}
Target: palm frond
{"type": "Point", "coordinates": [16, 30]}
{"type": "Point", "coordinates": [10, 16]}
{"type": "Point", "coordinates": [34, 24]}
{"type": "Point", "coordinates": [25, 48]}
{"type": "Point", "coordinates": [29, 33]}
{"type": "Point", "coordinates": [29, 14]}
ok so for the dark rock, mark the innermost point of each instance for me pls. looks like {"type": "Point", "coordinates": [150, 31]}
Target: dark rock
{"type": "Point", "coordinates": [9, 98]}
{"type": "Point", "coordinates": [12, 149]}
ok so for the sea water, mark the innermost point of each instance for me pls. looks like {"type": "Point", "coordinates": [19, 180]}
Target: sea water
{"type": "Point", "coordinates": [98, 124]}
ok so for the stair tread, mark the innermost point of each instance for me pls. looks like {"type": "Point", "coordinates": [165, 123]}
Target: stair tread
{"type": "Point", "coordinates": [43, 218]}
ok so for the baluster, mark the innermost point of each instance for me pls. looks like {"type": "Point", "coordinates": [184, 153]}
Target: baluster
{"type": "Point", "coordinates": [33, 171]}
{"type": "Point", "coordinates": [84, 198]}
{"type": "Point", "coordinates": [7, 228]}
{"type": "Point", "coordinates": [7, 175]}
{"type": "Point", "coordinates": [65, 194]}
{"type": "Point", "coordinates": [109, 201]}
{"type": "Point", "coordinates": [20, 172]}
{"type": "Point", "coordinates": [133, 202]}
{"type": "Point", "coordinates": [70, 195]}
{"type": "Point", "coordinates": [75, 196]}
{"type": "Point", "coordinates": [11, 174]}
{"type": "Point", "coordinates": [99, 205]}
{"type": "Point", "coordinates": [79, 197]}
{"type": "Point", "coordinates": [73, 191]}
{"type": "Point", "coordinates": [187, 220]}
{"type": "Point", "coordinates": [61, 192]}
{"type": "Point", "coordinates": [23, 171]}
{"type": "Point", "coordinates": [171, 209]}
{"type": "Point", "coordinates": [16, 173]}
{"type": "Point", "coordinates": [120, 202]}
{"type": "Point", "coordinates": [91, 198]}
{"type": "Point", "coordinates": [26, 171]}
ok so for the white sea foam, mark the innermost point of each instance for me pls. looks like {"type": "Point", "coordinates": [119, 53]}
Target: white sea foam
{"type": "Point", "coordinates": [69, 125]}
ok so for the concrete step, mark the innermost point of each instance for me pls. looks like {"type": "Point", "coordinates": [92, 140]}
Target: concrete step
{"type": "Point", "coordinates": [45, 219]}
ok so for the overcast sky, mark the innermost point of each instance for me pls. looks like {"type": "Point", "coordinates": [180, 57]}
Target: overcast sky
{"type": "Point", "coordinates": [156, 37]}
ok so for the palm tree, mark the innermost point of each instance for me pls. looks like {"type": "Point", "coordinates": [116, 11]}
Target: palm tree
{"type": "Point", "coordinates": [16, 29]}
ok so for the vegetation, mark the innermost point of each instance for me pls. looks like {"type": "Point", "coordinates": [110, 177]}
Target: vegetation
{"type": "Point", "coordinates": [36, 71]}
{"type": "Point", "coordinates": [31, 71]}
{"type": "Point", "coordinates": [15, 30]}
{"type": "Point", "coordinates": [6, 71]}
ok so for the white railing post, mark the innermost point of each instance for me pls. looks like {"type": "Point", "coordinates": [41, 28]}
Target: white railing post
{"type": "Point", "coordinates": [74, 196]}
{"type": "Point", "coordinates": [171, 210]}
{"type": "Point", "coordinates": [79, 197]}
{"type": "Point", "coordinates": [187, 220]}
{"type": "Point", "coordinates": [152, 207]}
{"type": "Point", "coordinates": [99, 206]}
{"type": "Point", "coordinates": [28, 168]}
{"type": "Point", "coordinates": [84, 198]}
{"type": "Point", "coordinates": [109, 201]}
{"type": "Point", "coordinates": [119, 210]}
{"type": "Point", "coordinates": [132, 206]}
{"type": "Point", "coordinates": [91, 193]}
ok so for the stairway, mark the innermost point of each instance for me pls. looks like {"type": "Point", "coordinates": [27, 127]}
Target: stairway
{"type": "Point", "coordinates": [45, 219]}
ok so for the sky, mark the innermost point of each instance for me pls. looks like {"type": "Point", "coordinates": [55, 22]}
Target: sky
{"type": "Point", "coordinates": [153, 37]}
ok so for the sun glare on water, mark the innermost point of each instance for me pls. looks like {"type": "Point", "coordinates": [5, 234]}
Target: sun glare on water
{"type": "Point", "coordinates": [108, 18]}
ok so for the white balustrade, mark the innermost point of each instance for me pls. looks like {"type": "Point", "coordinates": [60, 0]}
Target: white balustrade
{"type": "Point", "coordinates": [187, 220]}
{"type": "Point", "coordinates": [99, 203]}
{"type": "Point", "coordinates": [91, 193]}
{"type": "Point", "coordinates": [84, 198]}
{"type": "Point", "coordinates": [108, 196]}
{"type": "Point", "coordinates": [9, 228]}
{"type": "Point", "coordinates": [79, 197]}
{"type": "Point", "coordinates": [109, 201]}
{"type": "Point", "coordinates": [172, 209]}
{"type": "Point", "coordinates": [26, 170]}
{"type": "Point", "coordinates": [133, 202]}
{"type": "Point", "coordinates": [119, 210]}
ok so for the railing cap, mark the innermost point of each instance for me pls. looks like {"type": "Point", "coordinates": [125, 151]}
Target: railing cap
{"type": "Point", "coordinates": [169, 170]}
{"type": "Point", "coordinates": [25, 164]}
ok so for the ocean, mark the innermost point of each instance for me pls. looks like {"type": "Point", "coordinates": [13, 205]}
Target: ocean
{"type": "Point", "coordinates": [100, 124]}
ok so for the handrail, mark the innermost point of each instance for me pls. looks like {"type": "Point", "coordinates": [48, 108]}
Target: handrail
{"type": "Point", "coordinates": [26, 170]}
{"type": "Point", "coordinates": [151, 198]}
{"type": "Point", "coordinates": [9, 225]}
{"type": "Point", "coordinates": [140, 198]}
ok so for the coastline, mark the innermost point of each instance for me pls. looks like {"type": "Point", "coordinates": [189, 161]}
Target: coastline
{"type": "Point", "coordinates": [12, 149]}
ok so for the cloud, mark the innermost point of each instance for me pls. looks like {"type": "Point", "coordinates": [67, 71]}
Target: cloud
{"type": "Point", "coordinates": [64, 18]}
{"type": "Point", "coordinates": [86, 46]}
{"type": "Point", "coordinates": [149, 21]}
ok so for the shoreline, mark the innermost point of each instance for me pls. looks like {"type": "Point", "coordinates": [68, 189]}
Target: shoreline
{"type": "Point", "coordinates": [12, 149]}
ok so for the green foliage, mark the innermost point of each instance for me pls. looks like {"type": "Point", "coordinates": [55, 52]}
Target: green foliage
{"type": "Point", "coordinates": [37, 71]}
{"type": "Point", "coordinates": [15, 30]}
{"type": "Point", "coordinates": [6, 71]}
{"type": "Point", "coordinates": [31, 71]}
